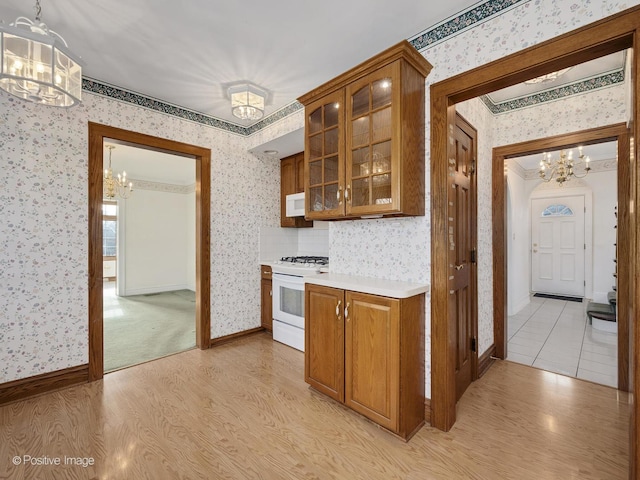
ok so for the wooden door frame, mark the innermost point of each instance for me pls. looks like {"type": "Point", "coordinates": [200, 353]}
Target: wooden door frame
{"type": "Point", "coordinates": [618, 132]}
{"type": "Point", "coordinates": [612, 34]}
{"type": "Point", "coordinates": [97, 134]}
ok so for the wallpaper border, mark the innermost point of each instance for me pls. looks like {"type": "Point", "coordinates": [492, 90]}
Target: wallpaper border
{"type": "Point", "coordinates": [596, 83]}
{"type": "Point", "coordinates": [452, 26]}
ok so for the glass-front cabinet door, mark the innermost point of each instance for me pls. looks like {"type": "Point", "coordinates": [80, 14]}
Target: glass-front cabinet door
{"type": "Point", "coordinates": [372, 182]}
{"type": "Point", "coordinates": [324, 151]}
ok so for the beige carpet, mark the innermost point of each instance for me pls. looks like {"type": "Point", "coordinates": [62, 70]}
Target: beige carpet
{"type": "Point", "coordinates": [145, 327]}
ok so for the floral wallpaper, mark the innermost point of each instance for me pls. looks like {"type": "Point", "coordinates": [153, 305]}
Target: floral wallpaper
{"type": "Point", "coordinates": [43, 226]}
{"type": "Point", "coordinates": [43, 199]}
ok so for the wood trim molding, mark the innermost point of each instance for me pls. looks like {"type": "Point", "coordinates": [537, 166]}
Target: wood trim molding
{"type": "Point", "coordinates": [614, 33]}
{"type": "Point", "coordinates": [216, 342]}
{"type": "Point", "coordinates": [97, 134]}
{"type": "Point", "coordinates": [427, 410]}
{"type": "Point", "coordinates": [486, 360]}
{"type": "Point", "coordinates": [46, 382]}
{"type": "Point", "coordinates": [617, 132]}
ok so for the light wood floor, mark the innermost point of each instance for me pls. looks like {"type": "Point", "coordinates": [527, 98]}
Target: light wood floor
{"type": "Point", "coordinates": [243, 411]}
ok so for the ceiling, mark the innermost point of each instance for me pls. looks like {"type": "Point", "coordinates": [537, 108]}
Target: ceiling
{"type": "Point", "coordinates": [150, 165]}
{"type": "Point", "coordinates": [185, 53]}
{"type": "Point", "coordinates": [579, 73]}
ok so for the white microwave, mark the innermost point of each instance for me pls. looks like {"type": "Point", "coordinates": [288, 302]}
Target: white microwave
{"type": "Point", "coordinates": [295, 205]}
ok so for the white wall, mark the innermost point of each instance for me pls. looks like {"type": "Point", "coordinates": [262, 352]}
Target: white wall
{"type": "Point", "coordinates": [518, 242]}
{"type": "Point", "coordinates": [157, 242]}
{"type": "Point", "coordinates": [276, 242]}
{"type": "Point", "coordinates": [190, 199]}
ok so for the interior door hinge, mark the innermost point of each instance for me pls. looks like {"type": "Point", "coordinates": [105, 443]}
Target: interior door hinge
{"type": "Point", "coordinates": [473, 256]}
{"type": "Point", "coordinates": [473, 345]}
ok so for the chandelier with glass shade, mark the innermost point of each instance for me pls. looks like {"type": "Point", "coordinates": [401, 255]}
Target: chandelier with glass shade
{"type": "Point", "coordinates": [563, 169]}
{"type": "Point", "coordinates": [36, 64]}
{"type": "Point", "coordinates": [247, 101]}
{"type": "Point", "coordinates": [118, 185]}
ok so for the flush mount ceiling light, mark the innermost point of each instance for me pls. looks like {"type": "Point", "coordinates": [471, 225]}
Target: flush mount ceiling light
{"type": "Point", "coordinates": [247, 101]}
{"type": "Point", "coordinates": [36, 64]}
{"type": "Point", "coordinates": [549, 77]}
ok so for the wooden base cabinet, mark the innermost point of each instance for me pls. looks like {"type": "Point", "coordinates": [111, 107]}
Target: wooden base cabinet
{"type": "Point", "coordinates": [266, 294]}
{"type": "Point", "coordinates": [367, 351]}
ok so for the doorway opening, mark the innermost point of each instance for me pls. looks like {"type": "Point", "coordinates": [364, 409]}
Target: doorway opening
{"type": "Point", "coordinates": [593, 41]}
{"type": "Point", "coordinates": [98, 134]}
{"type": "Point", "coordinates": [148, 257]}
{"type": "Point", "coordinates": [554, 334]}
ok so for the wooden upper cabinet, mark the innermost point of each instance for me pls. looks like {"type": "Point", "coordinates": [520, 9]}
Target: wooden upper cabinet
{"type": "Point", "coordinates": [364, 139]}
{"type": "Point", "coordinates": [324, 158]}
{"type": "Point", "coordinates": [291, 181]}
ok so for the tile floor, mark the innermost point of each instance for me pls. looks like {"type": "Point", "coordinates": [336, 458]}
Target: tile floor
{"type": "Point", "coordinates": [554, 335]}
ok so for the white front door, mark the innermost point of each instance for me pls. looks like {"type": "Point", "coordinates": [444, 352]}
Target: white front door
{"type": "Point", "coordinates": [558, 245]}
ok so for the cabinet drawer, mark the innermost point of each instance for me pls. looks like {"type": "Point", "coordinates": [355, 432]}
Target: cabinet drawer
{"type": "Point", "coordinates": [265, 272]}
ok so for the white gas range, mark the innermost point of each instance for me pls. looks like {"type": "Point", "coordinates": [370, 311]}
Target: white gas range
{"type": "Point", "coordinates": [288, 296]}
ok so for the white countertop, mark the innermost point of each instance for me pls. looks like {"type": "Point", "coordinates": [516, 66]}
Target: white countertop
{"type": "Point", "coordinates": [375, 286]}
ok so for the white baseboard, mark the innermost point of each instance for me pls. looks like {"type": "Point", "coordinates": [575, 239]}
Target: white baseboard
{"type": "Point", "coordinates": [519, 305]}
{"type": "Point", "coordinates": [155, 289]}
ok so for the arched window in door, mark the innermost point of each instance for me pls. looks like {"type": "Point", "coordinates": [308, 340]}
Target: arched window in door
{"type": "Point", "coordinates": [557, 210]}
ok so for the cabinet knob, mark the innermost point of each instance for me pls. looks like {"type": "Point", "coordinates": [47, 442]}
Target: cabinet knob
{"type": "Point", "coordinates": [338, 196]}
{"type": "Point", "coordinates": [346, 311]}
{"type": "Point", "coordinates": [347, 195]}
{"type": "Point", "coordinates": [338, 308]}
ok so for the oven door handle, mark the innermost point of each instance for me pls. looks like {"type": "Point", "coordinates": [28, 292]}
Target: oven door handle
{"type": "Point", "coordinates": [338, 309]}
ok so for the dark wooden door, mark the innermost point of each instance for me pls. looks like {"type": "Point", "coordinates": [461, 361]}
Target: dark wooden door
{"type": "Point", "coordinates": [462, 251]}
{"type": "Point", "coordinates": [324, 340]}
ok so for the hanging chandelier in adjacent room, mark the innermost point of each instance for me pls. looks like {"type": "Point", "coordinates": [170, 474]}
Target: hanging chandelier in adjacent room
{"type": "Point", "coordinates": [563, 169]}
{"type": "Point", "coordinates": [118, 185]}
{"type": "Point", "coordinates": [36, 64]}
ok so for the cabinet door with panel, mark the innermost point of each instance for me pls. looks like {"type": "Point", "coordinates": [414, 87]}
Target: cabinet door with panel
{"type": "Point", "coordinates": [266, 295]}
{"type": "Point", "coordinates": [324, 157]}
{"type": "Point", "coordinates": [372, 147]}
{"type": "Point", "coordinates": [382, 118]}
{"type": "Point", "coordinates": [291, 181]}
{"type": "Point", "coordinates": [324, 340]}
{"type": "Point", "coordinates": [372, 357]}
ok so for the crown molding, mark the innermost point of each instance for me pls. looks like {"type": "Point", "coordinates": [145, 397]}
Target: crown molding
{"type": "Point", "coordinates": [162, 187]}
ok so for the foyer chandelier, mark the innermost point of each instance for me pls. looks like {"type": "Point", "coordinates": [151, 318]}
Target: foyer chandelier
{"type": "Point", "coordinates": [36, 64]}
{"type": "Point", "coordinates": [562, 170]}
{"type": "Point", "coordinates": [112, 186]}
